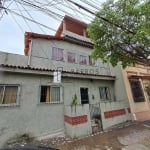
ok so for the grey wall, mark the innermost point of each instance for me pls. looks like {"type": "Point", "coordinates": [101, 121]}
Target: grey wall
{"type": "Point", "coordinates": [13, 59]}
{"type": "Point", "coordinates": [119, 86]}
{"type": "Point", "coordinates": [42, 53]}
{"type": "Point", "coordinates": [40, 119]}
{"type": "Point", "coordinates": [30, 116]}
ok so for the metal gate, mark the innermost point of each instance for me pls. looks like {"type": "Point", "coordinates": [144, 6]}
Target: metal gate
{"type": "Point", "coordinates": [95, 114]}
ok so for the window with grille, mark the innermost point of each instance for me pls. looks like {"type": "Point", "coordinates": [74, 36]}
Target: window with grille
{"type": "Point", "coordinates": [104, 93]}
{"type": "Point", "coordinates": [71, 57]}
{"type": "Point", "coordinates": [50, 94]}
{"type": "Point", "coordinates": [91, 60]}
{"type": "Point", "coordinates": [8, 94]}
{"type": "Point", "coordinates": [137, 91]}
{"type": "Point", "coordinates": [57, 54]}
{"type": "Point", "coordinates": [84, 95]}
{"type": "Point", "coordinates": [83, 59]}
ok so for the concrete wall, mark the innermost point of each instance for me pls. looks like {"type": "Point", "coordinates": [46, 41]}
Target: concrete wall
{"type": "Point", "coordinates": [42, 57]}
{"type": "Point", "coordinates": [73, 87]}
{"type": "Point", "coordinates": [119, 87]}
{"type": "Point", "coordinates": [40, 119]}
{"type": "Point", "coordinates": [29, 116]}
{"type": "Point", "coordinates": [113, 106]}
{"type": "Point", "coordinates": [82, 129]}
{"type": "Point", "coordinates": [118, 101]}
{"type": "Point", "coordinates": [13, 59]}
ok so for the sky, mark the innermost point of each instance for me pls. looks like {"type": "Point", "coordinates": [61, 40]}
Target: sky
{"type": "Point", "coordinates": [13, 26]}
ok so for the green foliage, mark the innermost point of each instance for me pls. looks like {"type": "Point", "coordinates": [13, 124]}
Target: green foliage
{"type": "Point", "coordinates": [74, 101]}
{"type": "Point", "coordinates": [121, 32]}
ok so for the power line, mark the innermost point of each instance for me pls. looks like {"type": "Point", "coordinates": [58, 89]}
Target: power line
{"type": "Point", "coordinates": [30, 20]}
{"type": "Point", "coordinates": [45, 10]}
{"type": "Point", "coordinates": [17, 23]}
{"type": "Point", "coordinates": [102, 18]}
{"type": "Point", "coordinates": [90, 4]}
{"type": "Point", "coordinates": [23, 17]}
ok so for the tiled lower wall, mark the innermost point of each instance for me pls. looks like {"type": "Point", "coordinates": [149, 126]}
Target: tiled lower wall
{"type": "Point", "coordinates": [75, 120]}
{"type": "Point", "coordinates": [114, 113]}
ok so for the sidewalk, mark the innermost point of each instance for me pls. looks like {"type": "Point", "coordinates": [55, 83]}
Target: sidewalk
{"type": "Point", "coordinates": [130, 136]}
{"type": "Point", "coordinates": [126, 136]}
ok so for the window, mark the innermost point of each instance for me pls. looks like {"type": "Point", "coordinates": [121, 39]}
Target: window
{"type": "Point", "coordinates": [71, 57]}
{"type": "Point", "coordinates": [137, 92]}
{"type": "Point", "coordinates": [104, 93]}
{"type": "Point", "coordinates": [8, 94]}
{"type": "Point", "coordinates": [50, 94]}
{"type": "Point", "coordinates": [83, 59]}
{"type": "Point", "coordinates": [57, 54]}
{"type": "Point", "coordinates": [91, 60]}
{"type": "Point", "coordinates": [84, 95]}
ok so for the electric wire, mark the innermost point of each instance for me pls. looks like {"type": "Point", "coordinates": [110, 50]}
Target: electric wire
{"type": "Point", "coordinates": [21, 29]}
{"type": "Point", "coordinates": [23, 17]}
{"type": "Point", "coordinates": [44, 10]}
{"type": "Point", "coordinates": [85, 16]}
{"type": "Point", "coordinates": [31, 20]}
{"type": "Point", "coordinates": [102, 18]}
{"type": "Point", "coordinates": [5, 9]}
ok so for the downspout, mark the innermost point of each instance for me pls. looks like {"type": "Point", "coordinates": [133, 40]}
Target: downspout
{"type": "Point", "coordinates": [30, 52]}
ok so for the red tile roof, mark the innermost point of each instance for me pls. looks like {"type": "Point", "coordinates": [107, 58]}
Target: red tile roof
{"type": "Point", "coordinates": [30, 35]}
{"type": "Point", "coordinates": [51, 70]}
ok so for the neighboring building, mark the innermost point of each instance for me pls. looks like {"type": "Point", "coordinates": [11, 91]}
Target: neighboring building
{"type": "Point", "coordinates": [137, 82]}
{"type": "Point", "coordinates": [58, 87]}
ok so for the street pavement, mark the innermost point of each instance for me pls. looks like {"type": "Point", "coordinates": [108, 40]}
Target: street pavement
{"type": "Point", "coordinates": [125, 136]}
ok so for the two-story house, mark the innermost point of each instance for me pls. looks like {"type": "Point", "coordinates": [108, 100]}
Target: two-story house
{"type": "Point", "coordinates": [137, 83]}
{"type": "Point", "coordinates": [58, 88]}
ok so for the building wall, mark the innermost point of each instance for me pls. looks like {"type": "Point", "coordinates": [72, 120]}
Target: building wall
{"type": "Point", "coordinates": [40, 119]}
{"type": "Point", "coordinates": [42, 57]}
{"type": "Point", "coordinates": [140, 109]}
{"type": "Point", "coordinates": [13, 59]}
{"type": "Point", "coordinates": [29, 116]}
{"type": "Point", "coordinates": [118, 108]}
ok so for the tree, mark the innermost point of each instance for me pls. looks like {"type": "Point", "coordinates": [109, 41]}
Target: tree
{"type": "Point", "coordinates": [121, 32]}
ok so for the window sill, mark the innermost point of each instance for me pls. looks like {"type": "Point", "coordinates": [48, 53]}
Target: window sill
{"type": "Point", "coordinates": [58, 60]}
{"type": "Point", "coordinates": [72, 62]}
{"type": "Point", "coordinates": [9, 105]}
{"type": "Point", "coordinates": [50, 103]}
{"type": "Point", "coordinates": [107, 101]}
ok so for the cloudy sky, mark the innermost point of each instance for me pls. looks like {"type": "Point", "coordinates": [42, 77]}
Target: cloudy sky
{"type": "Point", "coordinates": [19, 16]}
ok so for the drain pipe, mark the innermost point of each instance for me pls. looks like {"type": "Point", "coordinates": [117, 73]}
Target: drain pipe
{"type": "Point", "coordinates": [30, 52]}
